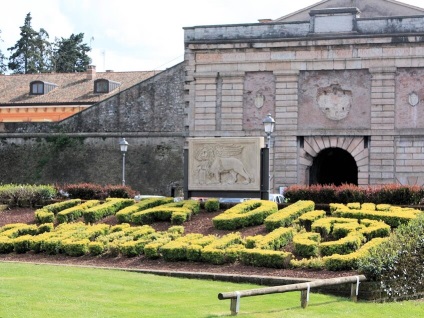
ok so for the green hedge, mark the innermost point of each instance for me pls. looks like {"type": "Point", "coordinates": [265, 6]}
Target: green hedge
{"type": "Point", "coordinates": [125, 215]}
{"type": "Point", "coordinates": [287, 215]}
{"type": "Point", "coordinates": [248, 213]}
{"type": "Point", "coordinates": [306, 244]}
{"type": "Point", "coordinates": [395, 217]}
{"type": "Point", "coordinates": [110, 207]}
{"type": "Point", "coordinates": [265, 258]}
{"type": "Point", "coordinates": [74, 213]}
{"type": "Point", "coordinates": [177, 213]}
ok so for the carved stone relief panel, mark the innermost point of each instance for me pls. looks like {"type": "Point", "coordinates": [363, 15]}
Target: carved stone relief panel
{"type": "Point", "coordinates": [258, 99]}
{"type": "Point", "coordinates": [224, 163]}
{"type": "Point", "coordinates": [410, 98]}
{"type": "Point", "coordinates": [335, 99]}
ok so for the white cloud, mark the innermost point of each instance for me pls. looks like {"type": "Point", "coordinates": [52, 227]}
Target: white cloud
{"type": "Point", "coordinates": [137, 35]}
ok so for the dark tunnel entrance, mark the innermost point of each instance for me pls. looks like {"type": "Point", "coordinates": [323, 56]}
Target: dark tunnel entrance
{"type": "Point", "coordinates": [334, 166]}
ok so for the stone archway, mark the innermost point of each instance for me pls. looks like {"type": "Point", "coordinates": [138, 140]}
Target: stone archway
{"type": "Point", "coordinates": [333, 166]}
{"type": "Point", "coordinates": [355, 148]}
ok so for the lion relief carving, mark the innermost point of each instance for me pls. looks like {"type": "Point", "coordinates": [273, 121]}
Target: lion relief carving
{"type": "Point", "coordinates": [217, 164]}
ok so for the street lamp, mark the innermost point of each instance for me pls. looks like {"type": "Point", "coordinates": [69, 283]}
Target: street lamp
{"type": "Point", "coordinates": [124, 146]}
{"type": "Point", "coordinates": [269, 124]}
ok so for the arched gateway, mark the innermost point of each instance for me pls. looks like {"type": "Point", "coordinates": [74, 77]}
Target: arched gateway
{"type": "Point", "coordinates": [334, 160]}
{"type": "Point", "coordinates": [333, 166]}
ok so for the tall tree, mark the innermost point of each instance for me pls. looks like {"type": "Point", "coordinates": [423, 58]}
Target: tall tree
{"type": "Point", "coordinates": [3, 66]}
{"type": "Point", "coordinates": [30, 52]}
{"type": "Point", "coordinates": [70, 55]}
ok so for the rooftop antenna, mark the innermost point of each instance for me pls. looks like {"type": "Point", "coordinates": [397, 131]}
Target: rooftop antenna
{"type": "Point", "coordinates": [104, 59]}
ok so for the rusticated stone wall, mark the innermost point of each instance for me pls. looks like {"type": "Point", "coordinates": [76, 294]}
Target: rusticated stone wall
{"type": "Point", "coordinates": [84, 148]}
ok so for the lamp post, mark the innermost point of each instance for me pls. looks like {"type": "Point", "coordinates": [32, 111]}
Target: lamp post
{"type": "Point", "coordinates": [124, 147]}
{"type": "Point", "coordinates": [269, 124]}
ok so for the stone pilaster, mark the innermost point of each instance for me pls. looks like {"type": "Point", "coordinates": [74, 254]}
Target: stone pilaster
{"type": "Point", "coordinates": [382, 150]}
{"type": "Point", "coordinates": [285, 154]}
{"type": "Point", "coordinates": [232, 101]}
{"type": "Point", "coordinates": [204, 110]}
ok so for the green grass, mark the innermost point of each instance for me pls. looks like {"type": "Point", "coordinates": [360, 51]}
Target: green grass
{"type": "Point", "coordinates": [31, 291]}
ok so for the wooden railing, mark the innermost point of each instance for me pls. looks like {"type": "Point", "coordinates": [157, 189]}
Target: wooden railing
{"type": "Point", "coordinates": [304, 288]}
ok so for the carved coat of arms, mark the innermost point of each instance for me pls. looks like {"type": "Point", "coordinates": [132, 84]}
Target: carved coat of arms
{"type": "Point", "coordinates": [334, 101]}
{"type": "Point", "coordinates": [413, 99]}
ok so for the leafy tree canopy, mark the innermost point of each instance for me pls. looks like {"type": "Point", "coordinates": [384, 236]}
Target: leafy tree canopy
{"type": "Point", "coordinates": [3, 66]}
{"type": "Point", "coordinates": [33, 53]}
{"type": "Point", "coordinates": [70, 55]}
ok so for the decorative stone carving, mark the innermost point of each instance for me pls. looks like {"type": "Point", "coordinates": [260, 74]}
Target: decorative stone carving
{"type": "Point", "coordinates": [224, 163]}
{"type": "Point", "coordinates": [259, 100]}
{"type": "Point", "coordinates": [334, 101]}
{"type": "Point", "coordinates": [413, 99]}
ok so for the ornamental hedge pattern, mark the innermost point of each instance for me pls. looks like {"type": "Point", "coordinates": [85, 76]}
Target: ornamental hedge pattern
{"type": "Point", "coordinates": [298, 235]}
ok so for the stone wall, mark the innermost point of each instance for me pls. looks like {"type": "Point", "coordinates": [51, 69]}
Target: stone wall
{"type": "Point", "coordinates": [359, 91]}
{"type": "Point", "coordinates": [84, 147]}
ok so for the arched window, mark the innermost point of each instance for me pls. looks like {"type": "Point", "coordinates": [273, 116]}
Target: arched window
{"type": "Point", "coordinates": [102, 86]}
{"type": "Point", "coordinates": [40, 87]}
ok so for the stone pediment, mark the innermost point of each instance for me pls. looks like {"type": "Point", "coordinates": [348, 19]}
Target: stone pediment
{"type": "Point", "coordinates": [368, 9]}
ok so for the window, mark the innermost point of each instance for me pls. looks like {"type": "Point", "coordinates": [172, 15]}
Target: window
{"type": "Point", "coordinates": [41, 88]}
{"type": "Point", "coordinates": [37, 88]}
{"type": "Point", "coordinates": [105, 86]}
{"type": "Point", "coordinates": [101, 86]}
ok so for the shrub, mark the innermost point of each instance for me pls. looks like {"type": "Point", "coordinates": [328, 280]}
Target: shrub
{"type": "Point", "coordinates": [308, 218]}
{"type": "Point", "coordinates": [96, 248]}
{"type": "Point", "coordinates": [398, 262]}
{"type": "Point", "coordinates": [74, 213]}
{"type": "Point", "coordinates": [119, 191]}
{"type": "Point", "coordinates": [217, 252]}
{"type": "Point", "coordinates": [22, 244]}
{"type": "Point", "coordinates": [248, 213]}
{"type": "Point", "coordinates": [273, 241]}
{"type": "Point", "coordinates": [212, 205]}
{"type": "Point", "coordinates": [306, 244]}
{"type": "Point", "coordinates": [177, 212]}
{"type": "Point", "coordinates": [125, 215]}
{"type": "Point", "coordinates": [26, 195]}
{"type": "Point", "coordinates": [6, 245]}
{"type": "Point", "coordinates": [265, 258]}
{"type": "Point", "coordinates": [75, 247]}
{"type": "Point", "coordinates": [388, 194]}
{"type": "Point", "coordinates": [44, 216]}
{"type": "Point", "coordinates": [394, 217]}
{"type": "Point", "coordinates": [345, 245]}
{"type": "Point", "coordinates": [287, 215]}
{"type": "Point", "coordinates": [85, 191]}
{"type": "Point", "coordinates": [110, 207]}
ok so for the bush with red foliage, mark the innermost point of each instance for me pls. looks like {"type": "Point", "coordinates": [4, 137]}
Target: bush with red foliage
{"type": "Point", "coordinates": [394, 194]}
{"type": "Point", "coordinates": [90, 191]}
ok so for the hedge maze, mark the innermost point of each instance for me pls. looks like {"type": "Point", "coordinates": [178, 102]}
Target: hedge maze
{"type": "Point", "coordinates": [298, 235]}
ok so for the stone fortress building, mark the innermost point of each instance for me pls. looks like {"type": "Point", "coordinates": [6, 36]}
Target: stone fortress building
{"type": "Point", "coordinates": [343, 80]}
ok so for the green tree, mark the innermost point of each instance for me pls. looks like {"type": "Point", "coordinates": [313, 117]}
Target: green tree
{"type": "Point", "coordinates": [70, 55]}
{"type": "Point", "coordinates": [3, 66]}
{"type": "Point", "coordinates": [30, 53]}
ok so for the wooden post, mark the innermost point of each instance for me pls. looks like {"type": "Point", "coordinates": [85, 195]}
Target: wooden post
{"type": "Point", "coordinates": [353, 295]}
{"type": "Point", "coordinates": [304, 295]}
{"type": "Point", "coordinates": [234, 306]}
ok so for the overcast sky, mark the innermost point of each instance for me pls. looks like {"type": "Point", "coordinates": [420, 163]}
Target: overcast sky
{"type": "Point", "coordinates": [136, 35]}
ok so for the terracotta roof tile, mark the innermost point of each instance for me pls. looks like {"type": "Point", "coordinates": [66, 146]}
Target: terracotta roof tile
{"type": "Point", "coordinates": [72, 87]}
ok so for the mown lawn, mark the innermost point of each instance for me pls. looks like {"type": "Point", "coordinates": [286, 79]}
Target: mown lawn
{"type": "Point", "coordinates": [31, 291]}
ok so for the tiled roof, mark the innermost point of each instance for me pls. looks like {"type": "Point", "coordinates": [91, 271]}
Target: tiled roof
{"type": "Point", "coordinates": [72, 88]}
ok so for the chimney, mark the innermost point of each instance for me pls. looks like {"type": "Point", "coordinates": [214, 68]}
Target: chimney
{"type": "Point", "coordinates": [91, 72]}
